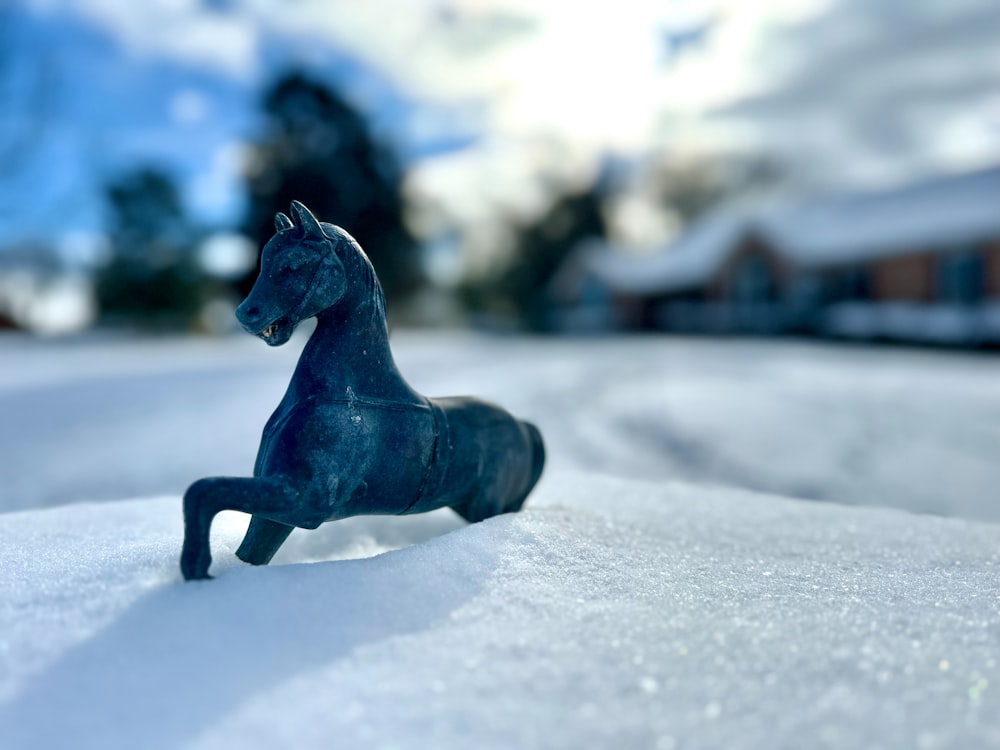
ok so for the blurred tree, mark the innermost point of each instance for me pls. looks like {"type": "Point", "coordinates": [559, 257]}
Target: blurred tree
{"type": "Point", "coordinates": [317, 149]}
{"type": "Point", "coordinates": [543, 247]}
{"type": "Point", "coordinates": [691, 188]}
{"type": "Point", "coordinates": [152, 277]}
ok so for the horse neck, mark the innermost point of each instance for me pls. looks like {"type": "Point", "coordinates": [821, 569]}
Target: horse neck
{"type": "Point", "coordinates": [348, 355]}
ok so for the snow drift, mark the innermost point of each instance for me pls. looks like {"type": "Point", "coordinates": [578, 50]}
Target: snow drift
{"type": "Point", "coordinates": [610, 613]}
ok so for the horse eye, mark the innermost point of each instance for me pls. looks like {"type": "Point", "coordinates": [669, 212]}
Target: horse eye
{"type": "Point", "coordinates": [297, 262]}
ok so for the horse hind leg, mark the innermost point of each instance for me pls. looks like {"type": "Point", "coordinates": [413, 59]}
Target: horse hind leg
{"type": "Point", "coordinates": [262, 540]}
{"type": "Point", "coordinates": [488, 504]}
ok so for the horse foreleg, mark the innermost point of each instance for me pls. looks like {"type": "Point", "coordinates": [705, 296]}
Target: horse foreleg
{"type": "Point", "coordinates": [262, 540]}
{"type": "Point", "coordinates": [207, 497]}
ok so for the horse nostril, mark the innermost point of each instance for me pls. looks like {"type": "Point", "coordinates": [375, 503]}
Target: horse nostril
{"type": "Point", "coordinates": [249, 311]}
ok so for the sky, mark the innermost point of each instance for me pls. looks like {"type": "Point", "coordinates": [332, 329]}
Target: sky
{"type": "Point", "coordinates": [496, 104]}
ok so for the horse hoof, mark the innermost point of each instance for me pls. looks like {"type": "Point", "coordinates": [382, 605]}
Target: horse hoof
{"type": "Point", "coordinates": [195, 570]}
{"type": "Point", "coordinates": [196, 575]}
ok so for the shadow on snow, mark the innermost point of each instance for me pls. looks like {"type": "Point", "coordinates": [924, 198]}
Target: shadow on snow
{"type": "Point", "coordinates": [185, 655]}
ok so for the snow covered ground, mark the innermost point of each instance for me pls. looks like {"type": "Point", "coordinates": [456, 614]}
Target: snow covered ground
{"type": "Point", "coordinates": [110, 419]}
{"type": "Point", "coordinates": [685, 610]}
{"type": "Point", "coordinates": [612, 614]}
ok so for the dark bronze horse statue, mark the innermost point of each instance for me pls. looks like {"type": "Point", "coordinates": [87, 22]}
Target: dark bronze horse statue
{"type": "Point", "coordinates": [350, 437]}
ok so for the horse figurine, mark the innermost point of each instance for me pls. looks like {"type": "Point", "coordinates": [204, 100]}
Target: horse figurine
{"type": "Point", "coordinates": [350, 436]}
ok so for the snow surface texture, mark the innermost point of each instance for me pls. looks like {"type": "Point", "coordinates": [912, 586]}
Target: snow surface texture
{"type": "Point", "coordinates": [103, 420]}
{"type": "Point", "coordinates": [609, 614]}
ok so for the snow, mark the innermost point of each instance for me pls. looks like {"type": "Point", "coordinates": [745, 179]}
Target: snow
{"type": "Point", "coordinates": [908, 321]}
{"type": "Point", "coordinates": [688, 263]}
{"type": "Point", "coordinates": [612, 613]}
{"type": "Point", "coordinates": [951, 212]}
{"type": "Point", "coordinates": [692, 608]}
{"type": "Point", "coordinates": [112, 419]}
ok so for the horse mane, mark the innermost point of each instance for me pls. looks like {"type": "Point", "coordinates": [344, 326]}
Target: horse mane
{"type": "Point", "coordinates": [357, 266]}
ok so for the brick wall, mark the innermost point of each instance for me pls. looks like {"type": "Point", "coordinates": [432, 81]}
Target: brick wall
{"type": "Point", "coordinates": [991, 270]}
{"type": "Point", "coordinates": [903, 279]}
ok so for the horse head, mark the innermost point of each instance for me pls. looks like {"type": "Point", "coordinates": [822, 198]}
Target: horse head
{"type": "Point", "coordinates": [301, 274]}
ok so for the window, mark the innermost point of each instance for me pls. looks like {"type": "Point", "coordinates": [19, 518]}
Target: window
{"type": "Point", "coordinates": [753, 281]}
{"type": "Point", "coordinates": [855, 285]}
{"type": "Point", "coordinates": [960, 277]}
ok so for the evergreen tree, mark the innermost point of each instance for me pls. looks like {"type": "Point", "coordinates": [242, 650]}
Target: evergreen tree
{"type": "Point", "coordinates": [542, 249]}
{"type": "Point", "coordinates": [152, 277]}
{"type": "Point", "coordinates": [317, 149]}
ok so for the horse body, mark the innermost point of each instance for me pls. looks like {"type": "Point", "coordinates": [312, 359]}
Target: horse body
{"type": "Point", "coordinates": [350, 436]}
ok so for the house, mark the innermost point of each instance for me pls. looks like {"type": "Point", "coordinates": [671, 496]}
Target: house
{"type": "Point", "coordinates": [918, 263]}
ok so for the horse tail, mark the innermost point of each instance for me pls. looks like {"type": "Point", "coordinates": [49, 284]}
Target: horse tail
{"type": "Point", "coordinates": [537, 453]}
{"type": "Point", "coordinates": [537, 447]}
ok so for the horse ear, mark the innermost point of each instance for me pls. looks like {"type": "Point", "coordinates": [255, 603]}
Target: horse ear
{"type": "Point", "coordinates": [282, 222]}
{"type": "Point", "coordinates": [305, 219]}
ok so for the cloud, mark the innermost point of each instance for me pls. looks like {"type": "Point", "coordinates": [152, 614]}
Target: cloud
{"type": "Point", "coordinates": [539, 93]}
{"type": "Point", "coordinates": [876, 90]}
{"type": "Point", "coordinates": [184, 30]}
{"type": "Point", "coordinates": [801, 76]}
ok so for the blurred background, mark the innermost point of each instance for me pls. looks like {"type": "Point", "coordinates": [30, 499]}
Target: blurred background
{"type": "Point", "coordinates": [819, 166]}
{"type": "Point", "coordinates": [827, 169]}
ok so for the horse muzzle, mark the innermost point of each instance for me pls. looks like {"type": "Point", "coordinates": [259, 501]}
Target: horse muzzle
{"type": "Point", "coordinates": [277, 332]}
{"type": "Point", "coordinates": [274, 331]}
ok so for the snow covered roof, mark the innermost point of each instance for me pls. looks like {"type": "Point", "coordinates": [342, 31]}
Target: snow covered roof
{"type": "Point", "coordinates": [687, 263]}
{"type": "Point", "coordinates": [822, 231]}
{"type": "Point", "coordinates": [935, 214]}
